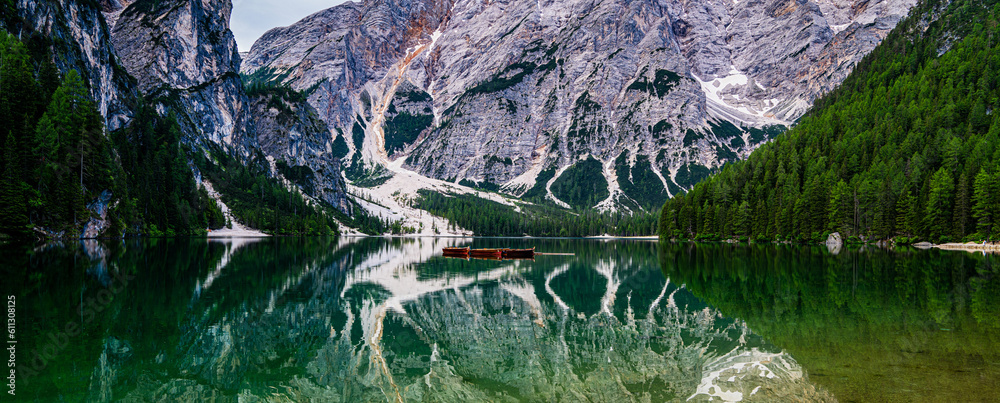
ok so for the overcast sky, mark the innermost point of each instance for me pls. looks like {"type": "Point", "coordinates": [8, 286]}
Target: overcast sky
{"type": "Point", "coordinates": [251, 18]}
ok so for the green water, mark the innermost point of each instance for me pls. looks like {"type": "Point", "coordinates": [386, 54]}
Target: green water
{"type": "Point", "coordinates": [372, 319]}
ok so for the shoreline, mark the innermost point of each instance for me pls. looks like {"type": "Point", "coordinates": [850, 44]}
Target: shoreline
{"type": "Point", "coordinates": [414, 236]}
{"type": "Point", "coordinates": [969, 247]}
{"type": "Point", "coordinates": [241, 232]}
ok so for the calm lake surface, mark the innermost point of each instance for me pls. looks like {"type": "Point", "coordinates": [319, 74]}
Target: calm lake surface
{"type": "Point", "coordinates": [373, 319]}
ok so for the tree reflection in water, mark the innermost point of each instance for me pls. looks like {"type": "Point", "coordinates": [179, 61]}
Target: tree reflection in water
{"type": "Point", "coordinates": [868, 324]}
{"type": "Point", "coordinates": [371, 319]}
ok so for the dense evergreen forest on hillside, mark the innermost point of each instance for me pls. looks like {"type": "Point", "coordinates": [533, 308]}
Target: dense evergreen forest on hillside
{"type": "Point", "coordinates": [57, 159]}
{"type": "Point", "coordinates": [906, 147]}
{"type": "Point", "coordinates": [489, 218]}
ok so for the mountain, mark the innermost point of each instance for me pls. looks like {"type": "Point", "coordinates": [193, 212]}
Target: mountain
{"type": "Point", "coordinates": [124, 116]}
{"type": "Point", "coordinates": [185, 59]}
{"type": "Point", "coordinates": [907, 147]}
{"type": "Point", "coordinates": [643, 97]}
{"type": "Point", "coordinates": [575, 105]}
{"type": "Point", "coordinates": [290, 133]}
{"type": "Point", "coordinates": [77, 33]}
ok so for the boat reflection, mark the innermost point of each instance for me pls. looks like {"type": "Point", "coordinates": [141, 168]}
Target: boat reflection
{"type": "Point", "coordinates": [371, 319]}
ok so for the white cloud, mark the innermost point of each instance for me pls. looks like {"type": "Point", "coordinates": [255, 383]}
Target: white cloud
{"type": "Point", "coordinates": [251, 18]}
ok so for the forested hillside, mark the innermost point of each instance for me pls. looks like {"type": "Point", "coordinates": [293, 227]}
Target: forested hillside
{"type": "Point", "coordinates": [57, 160]}
{"type": "Point", "coordinates": [906, 147]}
{"type": "Point", "coordinates": [489, 218]}
{"type": "Point", "coordinates": [56, 156]}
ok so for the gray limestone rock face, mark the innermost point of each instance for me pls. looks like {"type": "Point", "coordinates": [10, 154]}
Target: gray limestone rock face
{"type": "Point", "coordinates": [834, 239]}
{"type": "Point", "coordinates": [112, 9]}
{"type": "Point", "coordinates": [834, 243]}
{"type": "Point", "coordinates": [336, 52]}
{"type": "Point", "coordinates": [410, 114]}
{"type": "Point", "coordinates": [181, 56]}
{"type": "Point", "coordinates": [289, 130]}
{"type": "Point", "coordinates": [521, 88]}
{"type": "Point", "coordinates": [83, 42]}
{"type": "Point", "coordinates": [184, 58]}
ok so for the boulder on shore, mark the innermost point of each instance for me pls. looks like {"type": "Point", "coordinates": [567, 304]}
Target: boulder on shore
{"type": "Point", "coordinates": [834, 242]}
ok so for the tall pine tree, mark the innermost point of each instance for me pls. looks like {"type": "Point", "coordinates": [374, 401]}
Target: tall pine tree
{"type": "Point", "coordinates": [13, 211]}
{"type": "Point", "coordinates": [939, 203]}
{"type": "Point", "coordinates": [73, 152]}
{"type": "Point", "coordinates": [984, 195]}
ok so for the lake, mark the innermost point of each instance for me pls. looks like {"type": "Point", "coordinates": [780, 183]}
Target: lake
{"type": "Point", "coordinates": [375, 319]}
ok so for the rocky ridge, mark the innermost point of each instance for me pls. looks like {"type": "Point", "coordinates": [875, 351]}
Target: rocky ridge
{"type": "Point", "coordinates": [513, 94]}
{"type": "Point", "coordinates": [184, 58]}
{"type": "Point", "coordinates": [80, 36]}
{"type": "Point", "coordinates": [290, 132]}
{"type": "Point", "coordinates": [180, 57]}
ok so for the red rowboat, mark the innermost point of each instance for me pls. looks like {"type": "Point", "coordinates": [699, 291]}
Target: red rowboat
{"type": "Point", "coordinates": [490, 253]}
{"type": "Point", "coordinates": [519, 253]}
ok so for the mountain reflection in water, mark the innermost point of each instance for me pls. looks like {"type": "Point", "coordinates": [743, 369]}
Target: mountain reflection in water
{"type": "Point", "coordinates": [373, 319]}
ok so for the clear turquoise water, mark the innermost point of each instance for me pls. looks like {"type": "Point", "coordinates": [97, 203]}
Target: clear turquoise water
{"type": "Point", "coordinates": [373, 319]}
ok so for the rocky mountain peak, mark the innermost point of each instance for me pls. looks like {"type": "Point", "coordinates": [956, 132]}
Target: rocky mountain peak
{"type": "Point", "coordinates": [513, 94]}
{"type": "Point", "coordinates": [184, 56]}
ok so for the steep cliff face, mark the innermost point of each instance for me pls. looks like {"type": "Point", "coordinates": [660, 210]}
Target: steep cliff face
{"type": "Point", "coordinates": [82, 40]}
{"type": "Point", "coordinates": [290, 131]}
{"type": "Point", "coordinates": [185, 60]}
{"type": "Point", "coordinates": [184, 57]}
{"type": "Point", "coordinates": [336, 52]}
{"type": "Point", "coordinates": [179, 57]}
{"type": "Point", "coordinates": [514, 94]}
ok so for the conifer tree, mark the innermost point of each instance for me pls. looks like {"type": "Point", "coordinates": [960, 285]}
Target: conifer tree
{"type": "Point", "coordinates": [904, 223]}
{"type": "Point", "coordinates": [70, 141]}
{"type": "Point", "coordinates": [985, 193]}
{"type": "Point", "coordinates": [840, 207]}
{"type": "Point", "coordinates": [17, 87]}
{"type": "Point", "coordinates": [741, 219]}
{"type": "Point", "coordinates": [961, 211]}
{"type": "Point", "coordinates": [13, 211]}
{"type": "Point", "coordinates": [939, 203]}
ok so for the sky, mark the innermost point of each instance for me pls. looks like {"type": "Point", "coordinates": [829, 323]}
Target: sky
{"type": "Point", "coordinates": [251, 18]}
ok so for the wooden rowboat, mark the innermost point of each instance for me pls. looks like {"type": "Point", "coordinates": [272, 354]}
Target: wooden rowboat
{"type": "Point", "coordinates": [518, 253]}
{"type": "Point", "coordinates": [492, 253]}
